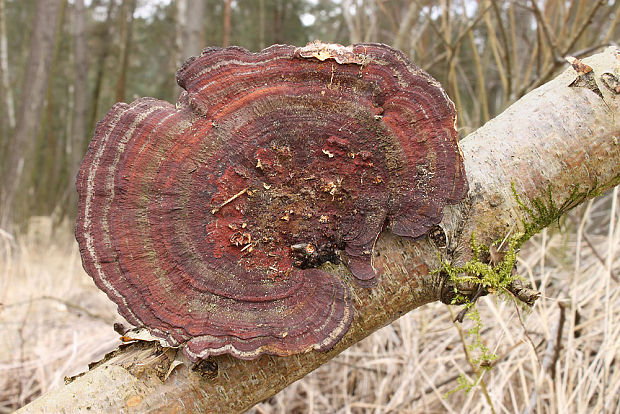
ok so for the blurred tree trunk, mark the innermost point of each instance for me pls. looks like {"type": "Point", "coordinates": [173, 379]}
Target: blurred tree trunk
{"type": "Point", "coordinates": [226, 34]}
{"type": "Point", "coordinates": [278, 17]}
{"type": "Point", "coordinates": [180, 23]}
{"type": "Point", "coordinates": [261, 24]}
{"type": "Point", "coordinates": [556, 145]}
{"type": "Point", "coordinates": [406, 23]}
{"type": "Point", "coordinates": [51, 142]}
{"type": "Point", "coordinates": [22, 149]}
{"type": "Point", "coordinates": [351, 20]}
{"type": "Point", "coordinates": [106, 38]}
{"type": "Point", "coordinates": [361, 18]}
{"type": "Point", "coordinates": [127, 9]}
{"type": "Point", "coordinates": [7, 123]}
{"type": "Point", "coordinates": [190, 31]}
{"type": "Point", "coordinates": [194, 28]}
{"type": "Point", "coordinates": [78, 118]}
{"type": "Point", "coordinates": [4, 68]}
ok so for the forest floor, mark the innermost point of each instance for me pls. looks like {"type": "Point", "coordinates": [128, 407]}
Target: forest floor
{"type": "Point", "coordinates": [561, 357]}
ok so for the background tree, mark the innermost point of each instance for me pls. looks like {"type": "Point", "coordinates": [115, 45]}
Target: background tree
{"type": "Point", "coordinates": [80, 96]}
{"type": "Point", "coordinates": [20, 161]}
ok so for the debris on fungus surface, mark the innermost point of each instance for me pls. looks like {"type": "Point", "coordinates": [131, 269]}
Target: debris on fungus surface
{"type": "Point", "coordinates": [207, 222]}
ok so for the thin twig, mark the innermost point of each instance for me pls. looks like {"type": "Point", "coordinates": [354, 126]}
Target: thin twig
{"type": "Point", "coordinates": [527, 335]}
{"type": "Point", "coordinates": [546, 31]}
{"type": "Point", "coordinates": [558, 340]}
{"type": "Point", "coordinates": [461, 315]}
{"type": "Point", "coordinates": [452, 378]}
{"type": "Point", "coordinates": [230, 200]}
{"type": "Point", "coordinates": [585, 24]}
{"type": "Point", "coordinates": [548, 360]}
{"type": "Point", "coordinates": [507, 57]}
{"type": "Point", "coordinates": [557, 63]}
{"type": "Point", "coordinates": [595, 252]}
{"type": "Point", "coordinates": [354, 366]}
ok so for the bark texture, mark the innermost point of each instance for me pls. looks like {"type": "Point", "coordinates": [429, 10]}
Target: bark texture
{"type": "Point", "coordinates": [556, 139]}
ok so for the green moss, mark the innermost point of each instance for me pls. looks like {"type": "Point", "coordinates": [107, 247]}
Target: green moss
{"type": "Point", "coordinates": [483, 273]}
{"type": "Point", "coordinates": [464, 384]}
{"type": "Point", "coordinates": [497, 275]}
{"type": "Point", "coordinates": [493, 272]}
{"type": "Point", "coordinates": [545, 212]}
{"type": "Point", "coordinates": [486, 274]}
{"type": "Point", "coordinates": [491, 277]}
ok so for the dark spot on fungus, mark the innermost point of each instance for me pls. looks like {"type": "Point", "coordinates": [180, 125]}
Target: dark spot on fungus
{"type": "Point", "coordinates": [120, 329]}
{"type": "Point", "coordinates": [206, 222]}
{"type": "Point", "coordinates": [207, 368]}
{"type": "Point", "coordinates": [438, 236]}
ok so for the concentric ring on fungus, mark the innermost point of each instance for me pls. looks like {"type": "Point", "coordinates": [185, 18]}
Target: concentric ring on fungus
{"type": "Point", "coordinates": [207, 222]}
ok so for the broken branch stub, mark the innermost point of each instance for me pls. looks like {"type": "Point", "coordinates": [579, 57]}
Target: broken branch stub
{"type": "Point", "coordinates": [207, 222]}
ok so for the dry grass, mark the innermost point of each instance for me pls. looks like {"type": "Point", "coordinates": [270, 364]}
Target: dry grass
{"type": "Point", "coordinates": [562, 357]}
{"type": "Point", "coordinates": [53, 319]}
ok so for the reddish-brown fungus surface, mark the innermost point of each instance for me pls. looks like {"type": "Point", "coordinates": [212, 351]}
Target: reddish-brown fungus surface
{"type": "Point", "coordinates": [207, 222]}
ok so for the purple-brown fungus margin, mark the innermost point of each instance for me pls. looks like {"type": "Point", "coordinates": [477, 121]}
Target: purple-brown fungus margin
{"type": "Point", "coordinates": [207, 222]}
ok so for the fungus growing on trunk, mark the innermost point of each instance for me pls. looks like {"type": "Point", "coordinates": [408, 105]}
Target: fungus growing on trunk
{"type": "Point", "coordinates": [208, 222]}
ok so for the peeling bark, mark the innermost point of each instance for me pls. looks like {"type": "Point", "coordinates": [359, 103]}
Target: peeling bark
{"type": "Point", "coordinates": [552, 140]}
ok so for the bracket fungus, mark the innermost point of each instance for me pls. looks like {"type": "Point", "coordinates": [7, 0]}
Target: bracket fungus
{"type": "Point", "coordinates": [208, 222]}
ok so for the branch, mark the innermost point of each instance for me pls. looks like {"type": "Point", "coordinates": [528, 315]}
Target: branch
{"type": "Point", "coordinates": [555, 64]}
{"type": "Point", "coordinates": [554, 143]}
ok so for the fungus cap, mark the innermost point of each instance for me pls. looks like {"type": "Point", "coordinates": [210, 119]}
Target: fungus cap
{"type": "Point", "coordinates": [207, 223]}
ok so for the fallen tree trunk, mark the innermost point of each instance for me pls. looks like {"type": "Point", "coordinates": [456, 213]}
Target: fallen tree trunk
{"type": "Point", "coordinates": [556, 147]}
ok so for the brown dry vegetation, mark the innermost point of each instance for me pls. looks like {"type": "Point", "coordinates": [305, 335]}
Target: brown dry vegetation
{"type": "Point", "coordinates": [560, 357]}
